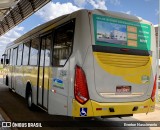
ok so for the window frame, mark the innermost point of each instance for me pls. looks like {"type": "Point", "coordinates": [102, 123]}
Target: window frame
{"type": "Point", "coordinates": [28, 52]}
{"type": "Point", "coordinates": [8, 54]}
{"type": "Point", "coordinates": [15, 48]}
{"type": "Point", "coordinates": [49, 35]}
{"type": "Point", "coordinates": [39, 38]}
{"type": "Point", "coordinates": [18, 54]}
{"type": "Point", "coordinates": [11, 56]}
{"type": "Point", "coordinates": [73, 21]}
{"type": "Point", "coordinates": [44, 36]}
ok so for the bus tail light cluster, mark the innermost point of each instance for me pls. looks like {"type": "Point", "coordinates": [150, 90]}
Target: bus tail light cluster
{"type": "Point", "coordinates": [80, 86]}
{"type": "Point", "coordinates": [154, 90]}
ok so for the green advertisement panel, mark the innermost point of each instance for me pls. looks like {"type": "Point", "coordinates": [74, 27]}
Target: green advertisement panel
{"type": "Point", "coordinates": [121, 33]}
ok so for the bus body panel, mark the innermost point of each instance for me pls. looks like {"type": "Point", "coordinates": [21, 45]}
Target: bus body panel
{"type": "Point", "coordinates": [94, 108]}
{"type": "Point", "coordinates": [108, 78]}
{"type": "Point", "coordinates": [19, 80]}
{"type": "Point", "coordinates": [32, 80]}
{"type": "Point", "coordinates": [103, 80]}
{"type": "Point", "coordinates": [81, 46]}
{"type": "Point", "coordinates": [59, 85]}
{"type": "Point", "coordinates": [112, 72]}
{"type": "Point", "coordinates": [58, 93]}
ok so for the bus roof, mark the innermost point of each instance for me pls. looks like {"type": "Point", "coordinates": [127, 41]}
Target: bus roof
{"type": "Point", "coordinates": [96, 11]}
{"type": "Point", "coordinates": [37, 29]}
{"type": "Point", "coordinates": [121, 15]}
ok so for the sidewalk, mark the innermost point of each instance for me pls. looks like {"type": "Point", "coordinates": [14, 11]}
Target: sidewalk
{"type": "Point", "coordinates": [158, 105]}
{"type": "Point", "coordinates": [3, 116]}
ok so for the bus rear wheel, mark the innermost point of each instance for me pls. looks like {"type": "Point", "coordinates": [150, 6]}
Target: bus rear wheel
{"type": "Point", "coordinates": [29, 100]}
{"type": "Point", "coordinates": [6, 81]}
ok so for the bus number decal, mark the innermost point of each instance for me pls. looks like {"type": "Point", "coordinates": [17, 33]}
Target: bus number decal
{"type": "Point", "coordinates": [63, 73]}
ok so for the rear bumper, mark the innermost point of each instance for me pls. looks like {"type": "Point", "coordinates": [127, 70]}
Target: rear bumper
{"type": "Point", "coordinates": [93, 108]}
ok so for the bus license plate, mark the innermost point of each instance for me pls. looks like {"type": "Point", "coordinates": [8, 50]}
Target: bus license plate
{"type": "Point", "coordinates": [123, 89]}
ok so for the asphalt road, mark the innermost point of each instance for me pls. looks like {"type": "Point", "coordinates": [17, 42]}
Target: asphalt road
{"type": "Point", "coordinates": [15, 109]}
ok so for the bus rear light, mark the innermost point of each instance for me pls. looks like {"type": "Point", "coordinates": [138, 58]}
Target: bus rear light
{"type": "Point", "coordinates": [80, 86]}
{"type": "Point", "coordinates": [154, 90]}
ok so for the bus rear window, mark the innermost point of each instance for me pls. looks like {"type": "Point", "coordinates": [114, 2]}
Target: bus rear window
{"type": "Point", "coordinates": [121, 33]}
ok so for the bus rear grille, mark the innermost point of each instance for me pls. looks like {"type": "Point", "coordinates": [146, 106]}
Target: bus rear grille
{"type": "Point", "coordinates": [121, 60]}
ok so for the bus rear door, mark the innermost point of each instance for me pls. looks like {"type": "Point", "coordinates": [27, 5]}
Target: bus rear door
{"type": "Point", "coordinates": [43, 72]}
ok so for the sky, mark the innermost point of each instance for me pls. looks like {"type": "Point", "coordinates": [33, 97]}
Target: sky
{"type": "Point", "coordinates": [107, 27]}
{"type": "Point", "coordinates": [147, 9]}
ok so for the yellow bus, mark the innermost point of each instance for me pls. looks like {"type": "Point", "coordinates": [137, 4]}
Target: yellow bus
{"type": "Point", "coordinates": [86, 64]}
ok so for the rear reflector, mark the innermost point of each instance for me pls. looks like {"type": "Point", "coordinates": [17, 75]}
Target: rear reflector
{"type": "Point", "coordinates": [154, 89]}
{"type": "Point", "coordinates": [98, 109]}
{"type": "Point", "coordinates": [80, 86]}
{"type": "Point", "coordinates": [145, 106]}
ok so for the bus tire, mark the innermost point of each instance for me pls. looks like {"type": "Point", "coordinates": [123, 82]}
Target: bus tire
{"type": "Point", "coordinates": [6, 81]}
{"type": "Point", "coordinates": [29, 100]}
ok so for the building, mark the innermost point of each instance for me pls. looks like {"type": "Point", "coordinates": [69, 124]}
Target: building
{"type": "Point", "coordinates": [115, 34]}
{"type": "Point", "coordinates": [157, 44]}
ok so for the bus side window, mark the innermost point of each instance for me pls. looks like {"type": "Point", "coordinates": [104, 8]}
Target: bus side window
{"type": "Point", "coordinates": [20, 50]}
{"type": "Point", "coordinates": [26, 53]}
{"type": "Point", "coordinates": [11, 56]}
{"type": "Point", "coordinates": [14, 56]}
{"type": "Point", "coordinates": [63, 42]}
{"type": "Point", "coordinates": [8, 56]}
{"type": "Point", "coordinates": [42, 53]}
{"type": "Point", "coordinates": [47, 51]}
{"type": "Point", "coordinates": [4, 58]}
{"type": "Point", "coordinates": [34, 51]}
